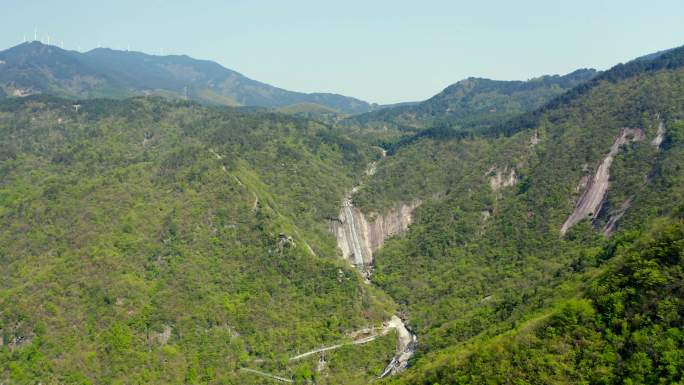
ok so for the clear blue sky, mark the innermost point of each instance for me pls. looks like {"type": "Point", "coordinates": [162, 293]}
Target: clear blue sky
{"type": "Point", "coordinates": [377, 50]}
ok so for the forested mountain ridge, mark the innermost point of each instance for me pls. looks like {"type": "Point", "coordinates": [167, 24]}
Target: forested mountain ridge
{"type": "Point", "coordinates": [486, 251]}
{"type": "Point", "coordinates": [667, 59]}
{"type": "Point", "coordinates": [33, 67]}
{"type": "Point", "coordinates": [474, 102]}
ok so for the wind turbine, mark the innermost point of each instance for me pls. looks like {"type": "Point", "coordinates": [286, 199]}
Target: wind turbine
{"type": "Point", "coordinates": [35, 34]}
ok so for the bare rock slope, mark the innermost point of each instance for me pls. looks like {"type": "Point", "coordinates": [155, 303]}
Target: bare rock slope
{"type": "Point", "coordinates": [358, 237]}
{"type": "Point", "coordinates": [595, 191]}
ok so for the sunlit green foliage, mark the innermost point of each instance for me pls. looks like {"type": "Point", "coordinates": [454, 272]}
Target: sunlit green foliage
{"type": "Point", "coordinates": [153, 241]}
{"type": "Point", "coordinates": [150, 241]}
{"type": "Point", "coordinates": [482, 257]}
{"type": "Point", "coordinates": [627, 328]}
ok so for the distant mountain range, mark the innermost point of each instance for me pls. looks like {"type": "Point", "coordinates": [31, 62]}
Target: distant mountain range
{"type": "Point", "coordinates": [475, 101]}
{"type": "Point", "coordinates": [33, 68]}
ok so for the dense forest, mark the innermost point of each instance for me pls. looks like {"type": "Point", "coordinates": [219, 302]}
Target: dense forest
{"type": "Point", "coordinates": [624, 328]}
{"type": "Point", "coordinates": [485, 253]}
{"type": "Point", "coordinates": [156, 240]}
{"type": "Point", "coordinates": [152, 241]}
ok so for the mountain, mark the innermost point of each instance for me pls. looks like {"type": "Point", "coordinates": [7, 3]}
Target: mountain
{"type": "Point", "coordinates": [542, 248]}
{"type": "Point", "coordinates": [32, 68]}
{"type": "Point", "coordinates": [163, 241]}
{"type": "Point", "coordinates": [149, 240]}
{"type": "Point", "coordinates": [474, 102]}
{"type": "Point", "coordinates": [653, 55]}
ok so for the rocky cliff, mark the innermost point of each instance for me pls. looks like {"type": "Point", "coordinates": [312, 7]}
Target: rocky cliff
{"type": "Point", "coordinates": [358, 236]}
{"type": "Point", "coordinates": [596, 187]}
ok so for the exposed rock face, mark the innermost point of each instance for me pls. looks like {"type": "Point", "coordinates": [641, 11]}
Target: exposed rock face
{"type": "Point", "coordinates": [358, 238]}
{"type": "Point", "coordinates": [22, 93]}
{"type": "Point", "coordinates": [501, 178]}
{"type": "Point", "coordinates": [660, 135]}
{"type": "Point", "coordinates": [592, 198]}
{"type": "Point", "coordinates": [161, 338]}
{"type": "Point", "coordinates": [535, 139]}
{"type": "Point", "coordinates": [351, 236]}
{"type": "Point", "coordinates": [405, 347]}
{"type": "Point", "coordinates": [610, 226]}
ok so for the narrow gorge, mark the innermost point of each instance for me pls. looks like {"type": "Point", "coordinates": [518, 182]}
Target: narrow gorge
{"type": "Point", "coordinates": [357, 238]}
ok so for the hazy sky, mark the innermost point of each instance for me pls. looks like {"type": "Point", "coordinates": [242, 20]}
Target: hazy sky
{"type": "Point", "coordinates": [380, 51]}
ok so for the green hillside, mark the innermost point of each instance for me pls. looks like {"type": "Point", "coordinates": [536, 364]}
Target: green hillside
{"type": "Point", "coordinates": [523, 232]}
{"type": "Point", "coordinates": [310, 110]}
{"type": "Point", "coordinates": [151, 241]}
{"type": "Point", "coordinates": [486, 251]}
{"type": "Point", "coordinates": [625, 327]}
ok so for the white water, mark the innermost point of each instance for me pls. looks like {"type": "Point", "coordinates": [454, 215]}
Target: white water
{"type": "Point", "coordinates": [356, 245]}
{"type": "Point", "coordinates": [405, 348]}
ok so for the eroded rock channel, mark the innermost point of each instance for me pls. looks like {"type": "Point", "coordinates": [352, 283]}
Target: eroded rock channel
{"type": "Point", "coordinates": [595, 187]}
{"type": "Point", "coordinates": [358, 238]}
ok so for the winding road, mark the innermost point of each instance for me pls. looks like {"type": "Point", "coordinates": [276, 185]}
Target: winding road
{"type": "Point", "coordinates": [393, 324]}
{"type": "Point", "coordinates": [267, 375]}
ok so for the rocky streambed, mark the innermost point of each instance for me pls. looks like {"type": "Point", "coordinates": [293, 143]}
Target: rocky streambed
{"type": "Point", "coordinates": [358, 238]}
